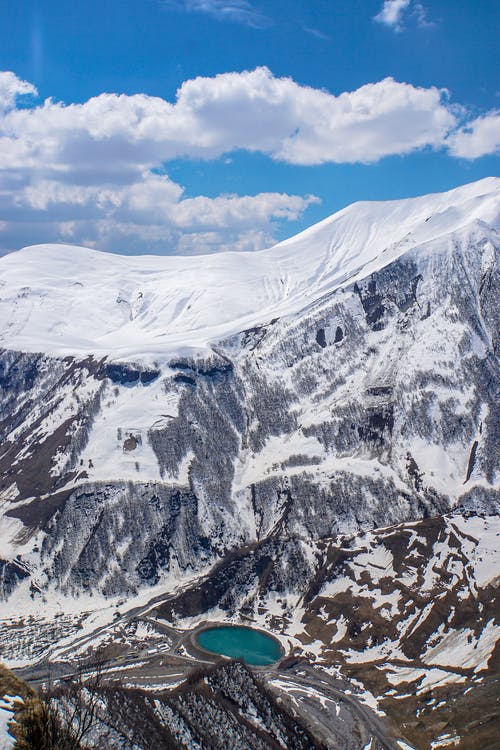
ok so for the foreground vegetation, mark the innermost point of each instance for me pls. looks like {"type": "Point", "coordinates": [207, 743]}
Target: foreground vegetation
{"type": "Point", "coordinates": [38, 724]}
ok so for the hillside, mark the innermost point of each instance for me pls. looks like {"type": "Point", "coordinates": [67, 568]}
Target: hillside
{"type": "Point", "coordinates": [254, 437]}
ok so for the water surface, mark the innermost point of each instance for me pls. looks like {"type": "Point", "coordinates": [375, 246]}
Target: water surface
{"type": "Point", "coordinates": [252, 646]}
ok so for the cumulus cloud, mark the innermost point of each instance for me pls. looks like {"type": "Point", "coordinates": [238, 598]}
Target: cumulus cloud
{"type": "Point", "coordinates": [151, 215]}
{"type": "Point", "coordinates": [156, 200]}
{"type": "Point", "coordinates": [94, 172]}
{"type": "Point", "coordinates": [478, 138]}
{"type": "Point", "coordinates": [252, 110]}
{"type": "Point", "coordinates": [87, 174]}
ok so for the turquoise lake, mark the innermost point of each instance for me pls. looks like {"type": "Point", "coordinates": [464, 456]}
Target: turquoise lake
{"type": "Point", "coordinates": [252, 646]}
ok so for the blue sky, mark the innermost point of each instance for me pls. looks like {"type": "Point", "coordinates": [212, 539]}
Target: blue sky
{"type": "Point", "coordinates": [199, 125]}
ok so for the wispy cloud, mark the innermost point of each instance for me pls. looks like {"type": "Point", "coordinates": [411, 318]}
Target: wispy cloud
{"type": "Point", "coordinates": [394, 13]}
{"type": "Point", "coordinates": [421, 17]}
{"type": "Point", "coordinates": [317, 33]}
{"type": "Point", "coordinates": [236, 11]}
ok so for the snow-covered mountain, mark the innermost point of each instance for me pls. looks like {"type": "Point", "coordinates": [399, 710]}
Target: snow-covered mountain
{"type": "Point", "coordinates": [160, 415]}
{"type": "Point", "coordinates": [356, 360]}
{"type": "Point", "coordinates": [65, 300]}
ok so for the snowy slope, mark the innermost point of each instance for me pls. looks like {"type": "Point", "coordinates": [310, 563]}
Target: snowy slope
{"type": "Point", "coordinates": [61, 299]}
{"type": "Point", "coordinates": [344, 379]}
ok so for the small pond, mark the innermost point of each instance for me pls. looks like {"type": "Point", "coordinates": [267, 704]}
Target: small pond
{"type": "Point", "coordinates": [252, 646]}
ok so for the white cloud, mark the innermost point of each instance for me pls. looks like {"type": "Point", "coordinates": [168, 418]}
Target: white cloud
{"type": "Point", "coordinates": [89, 172]}
{"type": "Point", "coordinates": [150, 214]}
{"type": "Point", "coordinates": [11, 87]}
{"type": "Point", "coordinates": [394, 13]}
{"type": "Point", "coordinates": [391, 13]}
{"type": "Point", "coordinates": [155, 200]}
{"type": "Point", "coordinates": [478, 138]}
{"type": "Point", "coordinates": [252, 110]}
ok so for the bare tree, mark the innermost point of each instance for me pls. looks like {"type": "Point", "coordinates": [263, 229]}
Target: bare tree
{"type": "Point", "coordinates": [71, 706]}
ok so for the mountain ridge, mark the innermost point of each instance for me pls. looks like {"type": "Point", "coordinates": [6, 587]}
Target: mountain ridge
{"type": "Point", "coordinates": [147, 307]}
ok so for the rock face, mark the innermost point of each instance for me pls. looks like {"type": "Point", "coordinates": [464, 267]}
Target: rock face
{"type": "Point", "coordinates": [370, 401]}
